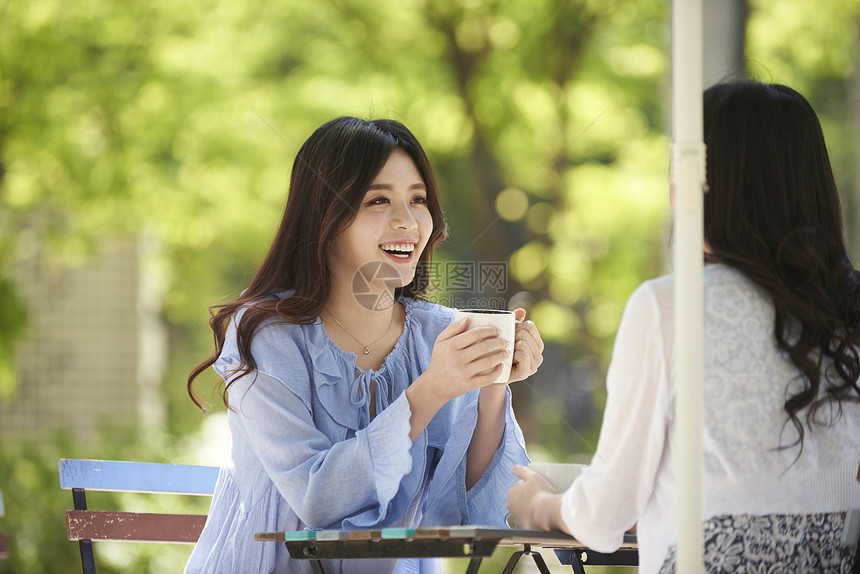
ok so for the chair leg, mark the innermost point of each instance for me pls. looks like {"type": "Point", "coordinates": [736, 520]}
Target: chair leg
{"type": "Point", "coordinates": [541, 564]}
{"type": "Point", "coordinates": [316, 566]}
{"type": "Point", "coordinates": [527, 550]}
{"type": "Point", "coordinates": [474, 565]}
{"type": "Point", "coordinates": [87, 559]}
{"type": "Point", "coordinates": [576, 563]}
{"type": "Point", "coordinates": [512, 561]}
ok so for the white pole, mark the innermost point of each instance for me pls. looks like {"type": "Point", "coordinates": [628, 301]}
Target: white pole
{"type": "Point", "coordinates": [688, 178]}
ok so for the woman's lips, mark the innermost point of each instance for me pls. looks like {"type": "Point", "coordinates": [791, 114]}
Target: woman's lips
{"type": "Point", "coordinates": [399, 256]}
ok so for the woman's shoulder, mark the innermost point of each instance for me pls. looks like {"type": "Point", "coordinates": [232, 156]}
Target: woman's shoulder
{"type": "Point", "coordinates": [724, 287]}
{"type": "Point", "coordinates": [275, 343]}
{"type": "Point", "coordinates": [657, 292]}
{"type": "Point", "coordinates": [715, 275]}
{"type": "Point", "coordinates": [271, 329]}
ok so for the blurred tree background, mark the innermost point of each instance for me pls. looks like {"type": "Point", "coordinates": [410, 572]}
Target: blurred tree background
{"type": "Point", "coordinates": [546, 120]}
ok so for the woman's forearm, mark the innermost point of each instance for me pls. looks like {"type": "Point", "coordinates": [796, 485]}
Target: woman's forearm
{"type": "Point", "coordinates": [424, 403]}
{"type": "Point", "coordinates": [489, 430]}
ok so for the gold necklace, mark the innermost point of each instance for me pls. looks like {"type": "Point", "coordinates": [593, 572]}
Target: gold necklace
{"type": "Point", "coordinates": [366, 349]}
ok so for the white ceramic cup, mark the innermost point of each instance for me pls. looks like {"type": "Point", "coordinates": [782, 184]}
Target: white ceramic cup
{"type": "Point", "coordinates": [503, 320]}
{"type": "Point", "coordinates": [559, 474]}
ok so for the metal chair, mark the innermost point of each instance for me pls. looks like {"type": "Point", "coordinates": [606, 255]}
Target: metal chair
{"type": "Point", "coordinates": [85, 525]}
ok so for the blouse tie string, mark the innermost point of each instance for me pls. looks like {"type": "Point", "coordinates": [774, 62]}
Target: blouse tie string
{"type": "Point", "coordinates": [359, 394]}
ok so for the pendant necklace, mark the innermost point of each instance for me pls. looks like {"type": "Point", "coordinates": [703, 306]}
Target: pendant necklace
{"type": "Point", "coordinates": [366, 349]}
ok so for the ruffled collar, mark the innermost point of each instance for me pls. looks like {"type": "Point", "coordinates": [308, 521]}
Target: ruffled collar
{"type": "Point", "coordinates": [342, 387]}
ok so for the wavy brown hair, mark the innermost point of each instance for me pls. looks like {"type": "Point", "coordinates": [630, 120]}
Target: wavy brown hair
{"type": "Point", "coordinates": [773, 213]}
{"type": "Point", "coordinates": [330, 176]}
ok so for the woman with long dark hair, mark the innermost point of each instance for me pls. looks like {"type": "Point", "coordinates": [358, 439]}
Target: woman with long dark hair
{"type": "Point", "coordinates": [781, 366]}
{"type": "Point", "coordinates": [353, 403]}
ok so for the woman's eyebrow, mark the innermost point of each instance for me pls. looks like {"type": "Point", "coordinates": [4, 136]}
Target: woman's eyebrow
{"type": "Point", "coordinates": [389, 187]}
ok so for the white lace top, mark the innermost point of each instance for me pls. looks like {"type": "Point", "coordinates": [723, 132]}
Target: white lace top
{"type": "Point", "coordinates": [632, 475]}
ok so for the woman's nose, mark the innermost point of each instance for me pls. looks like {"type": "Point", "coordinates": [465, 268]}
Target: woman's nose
{"type": "Point", "coordinates": [402, 216]}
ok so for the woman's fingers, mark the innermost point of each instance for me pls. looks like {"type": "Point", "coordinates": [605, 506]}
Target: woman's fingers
{"type": "Point", "coordinates": [466, 354]}
{"type": "Point", "coordinates": [480, 342]}
{"type": "Point", "coordinates": [527, 331]}
{"type": "Point", "coordinates": [452, 330]}
{"type": "Point", "coordinates": [522, 471]}
{"type": "Point", "coordinates": [526, 345]}
{"type": "Point", "coordinates": [520, 496]}
{"type": "Point", "coordinates": [526, 335]}
{"type": "Point", "coordinates": [474, 336]}
{"type": "Point", "coordinates": [528, 502]}
{"type": "Point", "coordinates": [528, 351]}
{"type": "Point", "coordinates": [483, 365]}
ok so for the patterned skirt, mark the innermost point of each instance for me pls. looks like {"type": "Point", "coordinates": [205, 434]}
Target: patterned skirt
{"type": "Point", "coordinates": [774, 544]}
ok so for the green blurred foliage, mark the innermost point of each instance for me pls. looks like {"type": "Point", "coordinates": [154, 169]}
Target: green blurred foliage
{"type": "Point", "coordinates": [181, 122]}
{"type": "Point", "coordinates": [35, 506]}
{"type": "Point", "coordinates": [545, 120]}
{"type": "Point", "coordinates": [13, 322]}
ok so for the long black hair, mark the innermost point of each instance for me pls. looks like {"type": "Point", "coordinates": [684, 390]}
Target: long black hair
{"type": "Point", "coordinates": [330, 176]}
{"type": "Point", "coordinates": [773, 212]}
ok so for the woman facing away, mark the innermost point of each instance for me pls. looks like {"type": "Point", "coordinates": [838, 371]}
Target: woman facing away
{"type": "Point", "coordinates": [781, 365]}
{"type": "Point", "coordinates": [352, 402]}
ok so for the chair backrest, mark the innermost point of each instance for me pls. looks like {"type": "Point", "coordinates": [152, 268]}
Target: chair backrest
{"type": "Point", "coordinates": [84, 525]}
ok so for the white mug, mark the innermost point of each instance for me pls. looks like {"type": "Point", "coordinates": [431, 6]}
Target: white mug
{"type": "Point", "coordinates": [560, 475]}
{"type": "Point", "coordinates": [504, 321]}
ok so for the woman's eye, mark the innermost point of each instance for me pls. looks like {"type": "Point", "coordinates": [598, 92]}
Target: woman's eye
{"type": "Point", "coordinates": [378, 201]}
{"type": "Point", "coordinates": [420, 199]}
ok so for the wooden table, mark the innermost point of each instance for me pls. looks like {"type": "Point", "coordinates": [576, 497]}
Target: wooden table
{"type": "Point", "coordinates": [473, 542]}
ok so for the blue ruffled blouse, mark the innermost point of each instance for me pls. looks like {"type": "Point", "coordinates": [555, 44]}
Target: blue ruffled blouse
{"type": "Point", "coordinates": [306, 454]}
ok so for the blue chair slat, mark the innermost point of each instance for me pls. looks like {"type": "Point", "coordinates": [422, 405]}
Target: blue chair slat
{"type": "Point", "coordinates": [126, 476]}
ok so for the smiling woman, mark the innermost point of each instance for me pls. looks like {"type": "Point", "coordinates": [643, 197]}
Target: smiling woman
{"type": "Point", "coordinates": [353, 403]}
